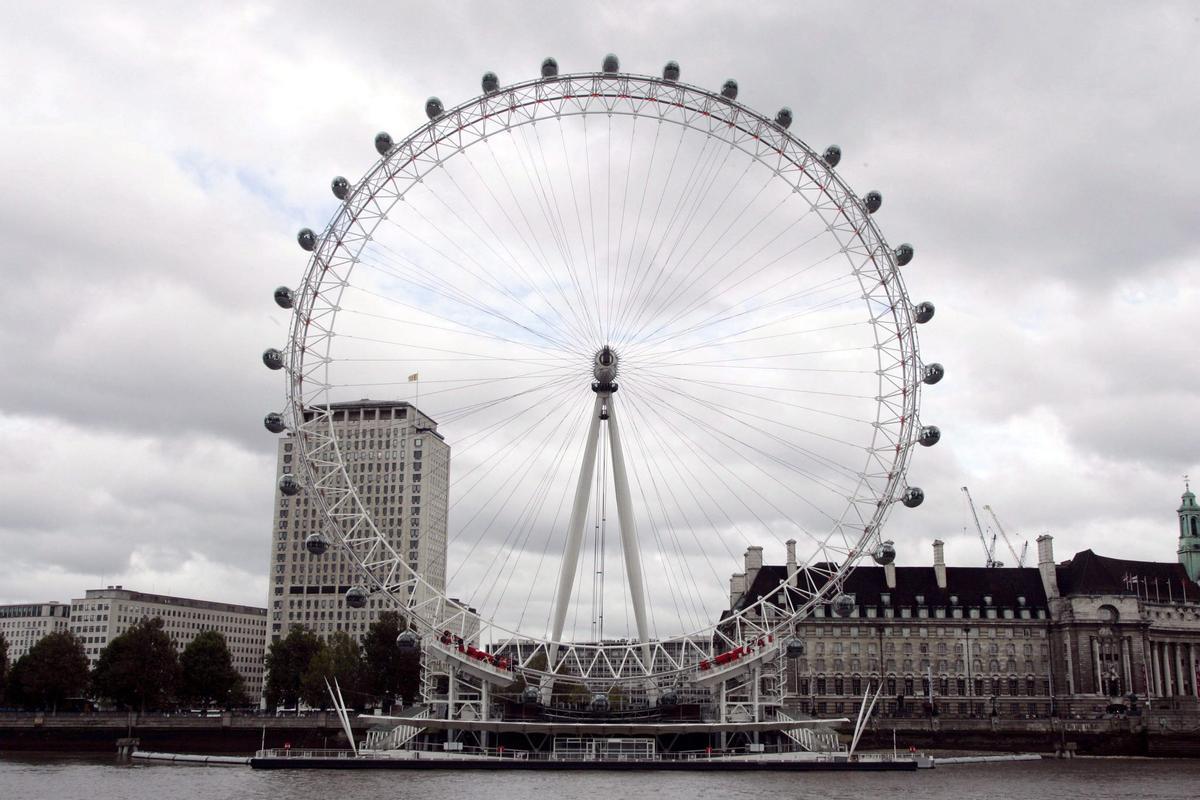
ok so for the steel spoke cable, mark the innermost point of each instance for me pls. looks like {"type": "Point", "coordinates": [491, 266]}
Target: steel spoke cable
{"type": "Point", "coordinates": [642, 264]}
{"type": "Point", "coordinates": [653, 407]}
{"type": "Point", "coordinates": [715, 167]}
{"type": "Point", "coordinates": [687, 577]}
{"type": "Point", "coordinates": [736, 440]}
{"type": "Point", "coordinates": [453, 296]}
{"type": "Point", "coordinates": [542, 260]}
{"type": "Point", "coordinates": [527, 521]}
{"type": "Point", "coordinates": [558, 227]}
{"type": "Point", "coordinates": [689, 277]}
{"type": "Point", "coordinates": [817, 457]}
{"type": "Point", "coordinates": [788, 278]}
{"type": "Point", "coordinates": [469, 302]}
{"type": "Point", "coordinates": [515, 475]}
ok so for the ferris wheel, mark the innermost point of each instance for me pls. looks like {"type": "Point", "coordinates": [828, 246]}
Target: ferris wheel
{"type": "Point", "coordinates": [655, 329]}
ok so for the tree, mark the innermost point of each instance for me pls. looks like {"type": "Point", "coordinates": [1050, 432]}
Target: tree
{"type": "Point", "coordinates": [3, 666]}
{"type": "Point", "coordinates": [389, 669]}
{"type": "Point", "coordinates": [207, 673]}
{"type": "Point", "coordinates": [287, 659]}
{"type": "Point", "coordinates": [338, 659]}
{"type": "Point", "coordinates": [54, 669]}
{"type": "Point", "coordinates": [140, 668]}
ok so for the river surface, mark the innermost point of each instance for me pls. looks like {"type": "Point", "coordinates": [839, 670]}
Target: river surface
{"type": "Point", "coordinates": [46, 777]}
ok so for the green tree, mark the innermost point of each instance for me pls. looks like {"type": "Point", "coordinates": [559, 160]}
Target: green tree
{"type": "Point", "coordinates": [340, 658]}
{"type": "Point", "coordinates": [3, 666]}
{"type": "Point", "coordinates": [207, 673]}
{"type": "Point", "coordinates": [287, 659]}
{"type": "Point", "coordinates": [140, 668]}
{"type": "Point", "coordinates": [54, 669]}
{"type": "Point", "coordinates": [389, 670]}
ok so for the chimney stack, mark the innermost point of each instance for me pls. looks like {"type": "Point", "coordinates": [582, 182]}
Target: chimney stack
{"type": "Point", "coordinates": [791, 561]}
{"type": "Point", "coordinates": [737, 587]}
{"type": "Point", "coordinates": [889, 574]}
{"type": "Point", "coordinates": [1045, 544]}
{"type": "Point", "coordinates": [753, 564]}
{"type": "Point", "coordinates": [939, 562]}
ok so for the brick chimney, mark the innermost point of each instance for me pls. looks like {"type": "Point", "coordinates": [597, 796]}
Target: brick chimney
{"type": "Point", "coordinates": [1045, 544]}
{"type": "Point", "coordinates": [889, 575]}
{"type": "Point", "coordinates": [753, 564]}
{"type": "Point", "coordinates": [939, 562]}
{"type": "Point", "coordinates": [737, 587]}
{"type": "Point", "coordinates": [791, 558]}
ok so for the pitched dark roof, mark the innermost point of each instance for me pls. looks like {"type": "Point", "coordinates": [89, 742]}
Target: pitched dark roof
{"type": "Point", "coordinates": [970, 585]}
{"type": "Point", "coordinates": [1088, 573]}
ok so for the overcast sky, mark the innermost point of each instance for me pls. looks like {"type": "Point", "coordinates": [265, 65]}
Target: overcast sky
{"type": "Point", "coordinates": [159, 158]}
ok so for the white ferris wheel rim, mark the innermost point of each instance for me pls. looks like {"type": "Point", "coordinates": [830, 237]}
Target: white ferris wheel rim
{"type": "Point", "coordinates": [337, 251]}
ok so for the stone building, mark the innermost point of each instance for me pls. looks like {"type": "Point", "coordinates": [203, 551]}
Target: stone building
{"type": "Point", "coordinates": [1060, 638]}
{"type": "Point", "coordinates": [23, 624]}
{"type": "Point", "coordinates": [400, 465]}
{"type": "Point", "coordinates": [103, 614]}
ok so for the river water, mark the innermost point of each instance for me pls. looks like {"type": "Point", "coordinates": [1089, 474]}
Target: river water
{"type": "Point", "coordinates": [51, 778]}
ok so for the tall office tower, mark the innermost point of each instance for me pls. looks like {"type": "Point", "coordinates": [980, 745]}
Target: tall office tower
{"type": "Point", "coordinates": [401, 467]}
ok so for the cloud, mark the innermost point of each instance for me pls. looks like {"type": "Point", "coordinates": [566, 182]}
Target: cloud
{"type": "Point", "coordinates": [160, 160]}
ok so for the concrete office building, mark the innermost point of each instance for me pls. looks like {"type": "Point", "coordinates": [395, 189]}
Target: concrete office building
{"type": "Point", "coordinates": [103, 614]}
{"type": "Point", "coordinates": [23, 624]}
{"type": "Point", "coordinates": [400, 465]}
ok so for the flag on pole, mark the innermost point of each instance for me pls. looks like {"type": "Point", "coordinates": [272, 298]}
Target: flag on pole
{"type": "Point", "coordinates": [413, 377]}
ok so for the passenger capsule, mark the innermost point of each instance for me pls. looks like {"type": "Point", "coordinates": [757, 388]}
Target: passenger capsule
{"type": "Point", "coordinates": [795, 648]}
{"type": "Point", "coordinates": [307, 239]}
{"type": "Point", "coordinates": [783, 118]}
{"type": "Point", "coordinates": [433, 108]}
{"type": "Point", "coordinates": [288, 485]}
{"type": "Point", "coordinates": [490, 83]}
{"type": "Point", "coordinates": [923, 312]}
{"type": "Point", "coordinates": [274, 422]}
{"type": "Point", "coordinates": [408, 640]}
{"type": "Point", "coordinates": [843, 605]}
{"type": "Point", "coordinates": [669, 698]}
{"type": "Point", "coordinates": [904, 254]}
{"type": "Point", "coordinates": [929, 436]}
{"type": "Point", "coordinates": [600, 702]}
{"type": "Point", "coordinates": [283, 297]}
{"type": "Point", "coordinates": [316, 544]}
{"type": "Point", "coordinates": [611, 64]}
{"type": "Point", "coordinates": [671, 71]}
{"type": "Point", "coordinates": [933, 373]}
{"type": "Point", "coordinates": [832, 155]}
{"type": "Point", "coordinates": [273, 358]}
{"type": "Point", "coordinates": [729, 89]}
{"type": "Point", "coordinates": [356, 597]}
{"type": "Point", "coordinates": [913, 496]}
{"type": "Point", "coordinates": [383, 143]}
{"type": "Point", "coordinates": [340, 187]}
{"type": "Point", "coordinates": [549, 68]}
{"type": "Point", "coordinates": [873, 201]}
{"type": "Point", "coordinates": [885, 553]}
{"type": "Point", "coordinates": [531, 696]}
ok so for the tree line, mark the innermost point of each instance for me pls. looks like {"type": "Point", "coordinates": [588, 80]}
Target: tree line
{"type": "Point", "coordinates": [142, 670]}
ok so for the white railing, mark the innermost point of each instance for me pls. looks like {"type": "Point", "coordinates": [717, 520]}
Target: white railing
{"type": "Point", "coordinates": [815, 741]}
{"type": "Point", "coordinates": [398, 736]}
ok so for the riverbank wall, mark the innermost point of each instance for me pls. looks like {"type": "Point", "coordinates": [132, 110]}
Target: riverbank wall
{"type": "Point", "coordinates": [227, 734]}
{"type": "Point", "coordinates": [234, 734]}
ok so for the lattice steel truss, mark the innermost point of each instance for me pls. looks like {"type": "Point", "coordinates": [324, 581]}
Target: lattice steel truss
{"type": "Point", "coordinates": [760, 628]}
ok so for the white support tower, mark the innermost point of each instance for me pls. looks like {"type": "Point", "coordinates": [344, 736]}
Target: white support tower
{"type": "Point", "coordinates": [604, 368]}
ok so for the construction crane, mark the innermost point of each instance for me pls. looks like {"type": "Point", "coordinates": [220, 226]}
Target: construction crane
{"type": "Point", "coordinates": [989, 549]}
{"type": "Point", "coordinates": [1008, 543]}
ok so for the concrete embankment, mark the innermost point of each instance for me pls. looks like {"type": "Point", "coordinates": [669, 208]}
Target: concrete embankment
{"type": "Point", "coordinates": [1140, 736]}
{"type": "Point", "coordinates": [228, 734]}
